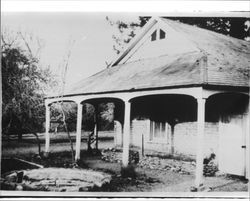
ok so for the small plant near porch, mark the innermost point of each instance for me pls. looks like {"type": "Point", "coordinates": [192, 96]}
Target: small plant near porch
{"type": "Point", "coordinates": [210, 166]}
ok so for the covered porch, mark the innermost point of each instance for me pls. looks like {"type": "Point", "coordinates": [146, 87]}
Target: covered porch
{"type": "Point", "coordinates": [196, 100]}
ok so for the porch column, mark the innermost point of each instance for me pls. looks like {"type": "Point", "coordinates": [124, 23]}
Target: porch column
{"type": "Point", "coordinates": [172, 138]}
{"type": "Point", "coordinates": [78, 131]}
{"type": "Point", "coordinates": [200, 141]}
{"type": "Point", "coordinates": [126, 134]}
{"type": "Point", "coordinates": [47, 127]}
{"type": "Point", "coordinates": [96, 126]}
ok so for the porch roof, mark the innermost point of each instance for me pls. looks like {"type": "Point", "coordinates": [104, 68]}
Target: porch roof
{"type": "Point", "coordinates": [227, 63]}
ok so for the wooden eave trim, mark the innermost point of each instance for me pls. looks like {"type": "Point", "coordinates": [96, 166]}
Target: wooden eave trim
{"type": "Point", "coordinates": [203, 85]}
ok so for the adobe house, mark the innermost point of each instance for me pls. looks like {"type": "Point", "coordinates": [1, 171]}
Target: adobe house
{"type": "Point", "coordinates": [184, 89]}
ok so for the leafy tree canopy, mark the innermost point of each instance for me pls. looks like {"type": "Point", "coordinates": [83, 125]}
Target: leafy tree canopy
{"type": "Point", "coordinates": [24, 84]}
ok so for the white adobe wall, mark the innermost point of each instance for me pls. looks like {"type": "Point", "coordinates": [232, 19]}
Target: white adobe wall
{"type": "Point", "coordinates": [140, 127]}
{"type": "Point", "coordinates": [184, 138]}
{"type": "Point", "coordinates": [117, 133]}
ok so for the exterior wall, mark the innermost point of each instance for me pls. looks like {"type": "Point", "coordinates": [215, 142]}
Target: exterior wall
{"type": "Point", "coordinates": [184, 138]}
{"type": "Point", "coordinates": [117, 133]}
{"type": "Point", "coordinates": [138, 128]}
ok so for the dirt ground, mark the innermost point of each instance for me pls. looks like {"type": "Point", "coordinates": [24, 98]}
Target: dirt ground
{"type": "Point", "coordinates": [146, 180]}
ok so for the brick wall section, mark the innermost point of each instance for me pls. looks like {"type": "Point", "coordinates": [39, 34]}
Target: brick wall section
{"type": "Point", "coordinates": [184, 138]}
{"type": "Point", "coordinates": [211, 138]}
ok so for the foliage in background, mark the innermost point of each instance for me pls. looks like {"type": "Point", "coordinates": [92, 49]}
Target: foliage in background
{"type": "Point", "coordinates": [125, 31]}
{"type": "Point", "coordinates": [235, 27]}
{"type": "Point", "coordinates": [24, 84]}
{"type": "Point", "coordinates": [105, 117]}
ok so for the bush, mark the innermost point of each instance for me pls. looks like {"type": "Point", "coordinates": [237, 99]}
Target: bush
{"type": "Point", "coordinates": [210, 167]}
{"type": "Point", "coordinates": [133, 157]}
{"type": "Point", "coordinates": [128, 171]}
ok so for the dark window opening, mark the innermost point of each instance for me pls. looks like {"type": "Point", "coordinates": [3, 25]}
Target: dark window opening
{"type": "Point", "coordinates": [162, 34]}
{"type": "Point", "coordinates": [158, 131]}
{"type": "Point", "coordinates": [153, 36]}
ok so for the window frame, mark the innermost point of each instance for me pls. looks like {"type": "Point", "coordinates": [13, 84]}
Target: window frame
{"type": "Point", "coordinates": [164, 34]}
{"type": "Point", "coordinates": [163, 133]}
{"type": "Point", "coordinates": [153, 36]}
{"type": "Point", "coordinates": [157, 35]}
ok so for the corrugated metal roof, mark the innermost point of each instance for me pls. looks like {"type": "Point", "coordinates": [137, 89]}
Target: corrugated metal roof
{"type": "Point", "coordinates": [228, 63]}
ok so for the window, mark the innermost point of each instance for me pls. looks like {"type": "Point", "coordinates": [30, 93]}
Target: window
{"type": "Point", "coordinates": [158, 131]}
{"type": "Point", "coordinates": [153, 36]}
{"type": "Point", "coordinates": [162, 34]}
{"type": "Point", "coordinates": [158, 34]}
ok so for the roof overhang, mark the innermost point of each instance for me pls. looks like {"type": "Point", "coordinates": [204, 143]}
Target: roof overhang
{"type": "Point", "coordinates": [204, 86]}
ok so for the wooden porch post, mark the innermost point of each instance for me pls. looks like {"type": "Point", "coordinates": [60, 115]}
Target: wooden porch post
{"type": "Point", "coordinates": [47, 127]}
{"type": "Point", "coordinates": [172, 138]}
{"type": "Point", "coordinates": [78, 131]}
{"type": "Point", "coordinates": [96, 126]}
{"type": "Point", "coordinates": [126, 134]}
{"type": "Point", "coordinates": [200, 141]}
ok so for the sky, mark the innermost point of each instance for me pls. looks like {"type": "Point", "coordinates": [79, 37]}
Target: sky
{"type": "Point", "coordinates": [87, 36]}
{"type": "Point", "coordinates": [76, 26]}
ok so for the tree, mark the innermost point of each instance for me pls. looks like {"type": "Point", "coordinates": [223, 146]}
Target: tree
{"type": "Point", "coordinates": [126, 31]}
{"type": "Point", "coordinates": [235, 27]}
{"type": "Point", "coordinates": [24, 84]}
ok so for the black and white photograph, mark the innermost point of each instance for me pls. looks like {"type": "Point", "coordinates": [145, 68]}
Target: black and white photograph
{"type": "Point", "coordinates": [125, 99]}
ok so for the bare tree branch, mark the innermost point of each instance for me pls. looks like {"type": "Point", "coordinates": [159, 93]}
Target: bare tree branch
{"type": "Point", "coordinates": [25, 42]}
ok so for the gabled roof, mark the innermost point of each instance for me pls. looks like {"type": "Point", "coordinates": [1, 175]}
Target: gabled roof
{"type": "Point", "coordinates": [228, 58]}
{"type": "Point", "coordinates": [226, 63]}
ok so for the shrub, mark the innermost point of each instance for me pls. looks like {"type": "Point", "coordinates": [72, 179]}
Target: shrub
{"type": "Point", "coordinates": [210, 167]}
{"type": "Point", "coordinates": [133, 157]}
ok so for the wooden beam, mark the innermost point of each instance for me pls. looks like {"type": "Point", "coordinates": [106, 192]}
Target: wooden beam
{"type": "Point", "coordinates": [200, 141]}
{"type": "Point", "coordinates": [126, 134]}
{"type": "Point", "coordinates": [78, 131]}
